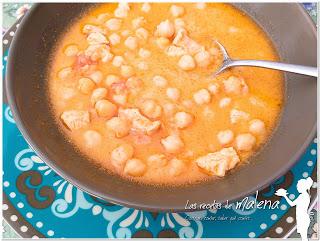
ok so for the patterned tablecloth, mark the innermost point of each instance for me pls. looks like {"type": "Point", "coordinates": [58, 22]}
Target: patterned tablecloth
{"type": "Point", "coordinates": [67, 209]}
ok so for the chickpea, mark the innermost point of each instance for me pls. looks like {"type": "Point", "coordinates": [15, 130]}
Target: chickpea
{"type": "Point", "coordinates": [134, 83]}
{"type": "Point", "coordinates": [98, 94]}
{"type": "Point", "coordinates": [88, 28]}
{"type": "Point", "coordinates": [143, 65]}
{"type": "Point", "coordinates": [202, 97]}
{"type": "Point", "coordinates": [146, 7]}
{"type": "Point", "coordinates": [113, 24]}
{"type": "Point", "coordinates": [118, 61]}
{"type": "Point", "coordinates": [165, 29]}
{"type": "Point", "coordinates": [186, 62]}
{"type": "Point", "coordinates": [157, 160]}
{"type": "Point", "coordinates": [126, 33]}
{"type": "Point", "coordinates": [183, 119]}
{"type": "Point", "coordinates": [203, 58]}
{"type": "Point", "coordinates": [131, 43]}
{"type": "Point", "coordinates": [172, 144]}
{"type": "Point", "coordinates": [208, 112]}
{"type": "Point", "coordinates": [111, 79]}
{"type": "Point", "coordinates": [65, 73]}
{"type": "Point", "coordinates": [162, 42]}
{"type": "Point", "coordinates": [234, 85]}
{"type": "Point", "coordinates": [135, 167]}
{"type": "Point", "coordinates": [188, 103]}
{"type": "Point", "coordinates": [114, 39]}
{"type": "Point", "coordinates": [96, 76]}
{"type": "Point", "coordinates": [107, 56]}
{"type": "Point", "coordinates": [120, 99]}
{"type": "Point", "coordinates": [169, 109]}
{"type": "Point", "coordinates": [151, 109]}
{"type": "Point", "coordinates": [121, 127]}
{"type": "Point", "coordinates": [142, 33]}
{"type": "Point", "coordinates": [238, 115]}
{"type": "Point", "coordinates": [213, 88]}
{"type": "Point", "coordinates": [86, 85]}
{"type": "Point", "coordinates": [201, 5]}
{"type": "Point", "coordinates": [224, 102]}
{"type": "Point", "coordinates": [101, 18]}
{"type": "Point", "coordinates": [233, 29]}
{"type": "Point", "coordinates": [176, 11]}
{"type": "Point", "coordinates": [71, 50]}
{"type": "Point", "coordinates": [67, 93]}
{"type": "Point", "coordinates": [173, 93]}
{"type": "Point", "coordinates": [121, 12]}
{"type": "Point", "coordinates": [225, 137]}
{"type": "Point", "coordinates": [127, 71]}
{"type": "Point", "coordinates": [105, 108]}
{"type": "Point", "coordinates": [159, 81]}
{"type": "Point", "coordinates": [121, 154]}
{"type": "Point", "coordinates": [245, 142]}
{"type": "Point", "coordinates": [176, 167]}
{"type": "Point", "coordinates": [144, 53]}
{"type": "Point", "coordinates": [179, 23]}
{"type": "Point", "coordinates": [138, 22]}
{"type": "Point", "coordinates": [92, 138]}
{"type": "Point", "coordinates": [257, 127]}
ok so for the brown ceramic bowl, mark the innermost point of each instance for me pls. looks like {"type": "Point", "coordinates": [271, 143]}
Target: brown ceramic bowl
{"type": "Point", "coordinates": [294, 36]}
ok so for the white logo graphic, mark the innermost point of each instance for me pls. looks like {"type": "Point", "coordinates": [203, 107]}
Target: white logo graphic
{"type": "Point", "coordinates": [302, 203]}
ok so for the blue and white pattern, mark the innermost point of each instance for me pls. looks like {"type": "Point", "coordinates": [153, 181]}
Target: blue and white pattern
{"type": "Point", "coordinates": [74, 213]}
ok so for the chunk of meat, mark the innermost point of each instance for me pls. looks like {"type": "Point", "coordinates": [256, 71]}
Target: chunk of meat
{"type": "Point", "coordinates": [183, 40]}
{"type": "Point", "coordinates": [83, 60]}
{"type": "Point", "coordinates": [175, 51]}
{"type": "Point", "coordinates": [75, 119]}
{"type": "Point", "coordinates": [218, 163]}
{"type": "Point", "coordinates": [139, 122]}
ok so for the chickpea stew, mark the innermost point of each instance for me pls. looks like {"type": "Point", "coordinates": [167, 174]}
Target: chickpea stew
{"type": "Point", "coordinates": [130, 87]}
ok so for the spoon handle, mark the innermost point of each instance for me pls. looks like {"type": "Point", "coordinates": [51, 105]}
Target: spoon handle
{"type": "Point", "coordinates": [293, 68]}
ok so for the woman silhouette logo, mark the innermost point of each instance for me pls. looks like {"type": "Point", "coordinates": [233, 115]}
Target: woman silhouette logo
{"type": "Point", "coordinates": [302, 203]}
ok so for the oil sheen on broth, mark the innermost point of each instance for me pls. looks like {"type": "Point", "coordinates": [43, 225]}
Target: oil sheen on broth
{"type": "Point", "coordinates": [129, 85]}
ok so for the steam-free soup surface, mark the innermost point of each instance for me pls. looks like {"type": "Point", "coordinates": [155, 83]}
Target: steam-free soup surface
{"type": "Point", "coordinates": [130, 86]}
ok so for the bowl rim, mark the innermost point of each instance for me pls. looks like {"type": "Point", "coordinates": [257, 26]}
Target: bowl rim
{"type": "Point", "coordinates": [108, 197]}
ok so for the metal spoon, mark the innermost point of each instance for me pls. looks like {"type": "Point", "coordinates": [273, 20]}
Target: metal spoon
{"type": "Point", "coordinates": [293, 68]}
